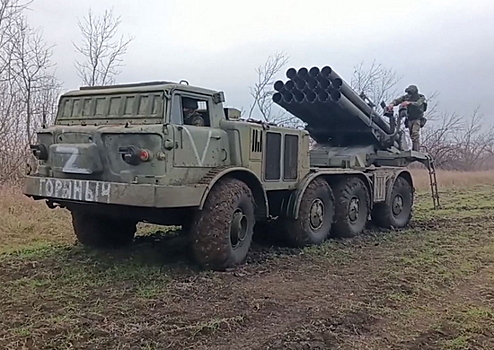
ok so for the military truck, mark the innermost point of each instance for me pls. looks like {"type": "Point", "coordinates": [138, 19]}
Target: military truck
{"type": "Point", "coordinates": [119, 155]}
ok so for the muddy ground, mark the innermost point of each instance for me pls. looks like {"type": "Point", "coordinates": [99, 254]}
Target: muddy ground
{"type": "Point", "coordinates": [427, 287]}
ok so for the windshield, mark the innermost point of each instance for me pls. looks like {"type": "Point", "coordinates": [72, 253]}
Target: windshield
{"type": "Point", "coordinates": [137, 108]}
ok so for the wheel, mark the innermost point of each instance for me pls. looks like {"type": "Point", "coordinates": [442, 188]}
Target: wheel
{"type": "Point", "coordinates": [351, 207]}
{"type": "Point", "coordinates": [315, 216]}
{"type": "Point", "coordinates": [397, 211]}
{"type": "Point", "coordinates": [102, 231]}
{"type": "Point", "coordinates": [222, 231]}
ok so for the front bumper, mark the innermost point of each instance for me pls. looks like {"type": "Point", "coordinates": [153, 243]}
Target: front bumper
{"type": "Point", "coordinates": [90, 191]}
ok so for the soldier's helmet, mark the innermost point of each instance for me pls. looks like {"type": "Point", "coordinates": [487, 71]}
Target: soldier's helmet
{"type": "Point", "coordinates": [189, 103]}
{"type": "Point", "coordinates": [412, 90]}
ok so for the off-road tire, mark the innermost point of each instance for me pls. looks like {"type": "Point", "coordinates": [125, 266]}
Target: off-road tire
{"type": "Point", "coordinates": [315, 216]}
{"type": "Point", "coordinates": [385, 214]}
{"type": "Point", "coordinates": [102, 231]}
{"type": "Point", "coordinates": [222, 231]}
{"type": "Point", "coordinates": [351, 207]}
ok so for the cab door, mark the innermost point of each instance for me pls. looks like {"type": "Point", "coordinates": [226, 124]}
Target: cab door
{"type": "Point", "coordinates": [196, 146]}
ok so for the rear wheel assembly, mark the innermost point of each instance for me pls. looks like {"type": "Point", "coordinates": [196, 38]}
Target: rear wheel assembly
{"type": "Point", "coordinates": [315, 216]}
{"type": "Point", "coordinates": [102, 231]}
{"type": "Point", "coordinates": [222, 231]}
{"type": "Point", "coordinates": [396, 212]}
{"type": "Point", "coordinates": [351, 207]}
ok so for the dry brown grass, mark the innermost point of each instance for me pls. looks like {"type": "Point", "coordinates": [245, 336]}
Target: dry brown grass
{"type": "Point", "coordinates": [452, 179]}
{"type": "Point", "coordinates": [26, 222]}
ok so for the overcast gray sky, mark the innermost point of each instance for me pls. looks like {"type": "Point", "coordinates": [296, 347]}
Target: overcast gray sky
{"type": "Point", "coordinates": [441, 45]}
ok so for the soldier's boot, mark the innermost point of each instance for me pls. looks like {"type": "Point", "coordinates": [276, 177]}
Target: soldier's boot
{"type": "Point", "coordinates": [416, 145]}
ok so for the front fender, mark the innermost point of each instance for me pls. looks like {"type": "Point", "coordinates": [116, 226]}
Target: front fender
{"type": "Point", "coordinates": [245, 175]}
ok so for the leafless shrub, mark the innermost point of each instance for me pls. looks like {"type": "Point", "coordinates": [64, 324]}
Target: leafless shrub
{"type": "Point", "coordinates": [460, 143]}
{"type": "Point", "coordinates": [376, 82]}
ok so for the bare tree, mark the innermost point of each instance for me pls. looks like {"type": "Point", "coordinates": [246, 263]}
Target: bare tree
{"type": "Point", "coordinates": [262, 91]}
{"type": "Point", "coordinates": [376, 82]}
{"type": "Point", "coordinates": [460, 143]}
{"type": "Point", "coordinates": [31, 67]}
{"type": "Point", "coordinates": [28, 87]}
{"type": "Point", "coordinates": [10, 13]}
{"type": "Point", "coordinates": [101, 48]}
{"type": "Point", "coordinates": [474, 143]}
{"type": "Point", "coordinates": [437, 138]}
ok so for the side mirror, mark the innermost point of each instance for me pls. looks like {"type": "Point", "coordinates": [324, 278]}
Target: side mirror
{"type": "Point", "coordinates": [219, 97]}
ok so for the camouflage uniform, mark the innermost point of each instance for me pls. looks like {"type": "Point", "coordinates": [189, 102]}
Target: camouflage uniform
{"type": "Point", "coordinates": [194, 118]}
{"type": "Point", "coordinates": [191, 116]}
{"type": "Point", "coordinates": [415, 120]}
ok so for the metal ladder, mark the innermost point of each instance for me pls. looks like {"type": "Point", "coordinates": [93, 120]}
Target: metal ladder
{"type": "Point", "coordinates": [433, 182]}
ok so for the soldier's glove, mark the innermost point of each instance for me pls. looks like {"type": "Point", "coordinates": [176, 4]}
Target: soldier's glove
{"type": "Point", "coordinates": [389, 109]}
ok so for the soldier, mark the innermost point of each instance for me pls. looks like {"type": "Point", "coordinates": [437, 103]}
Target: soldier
{"type": "Point", "coordinates": [191, 116]}
{"type": "Point", "coordinates": [416, 105]}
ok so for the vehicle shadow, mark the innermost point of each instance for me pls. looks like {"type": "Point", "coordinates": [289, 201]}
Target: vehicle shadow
{"type": "Point", "coordinates": [171, 251]}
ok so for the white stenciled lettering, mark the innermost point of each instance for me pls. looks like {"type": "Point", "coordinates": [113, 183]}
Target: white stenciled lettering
{"type": "Point", "coordinates": [67, 189]}
{"type": "Point", "coordinates": [77, 190]}
{"type": "Point", "coordinates": [89, 195]}
{"type": "Point", "coordinates": [105, 191]}
{"type": "Point", "coordinates": [58, 187]}
{"type": "Point", "coordinates": [96, 188]}
{"type": "Point", "coordinates": [42, 181]}
{"type": "Point", "coordinates": [49, 187]}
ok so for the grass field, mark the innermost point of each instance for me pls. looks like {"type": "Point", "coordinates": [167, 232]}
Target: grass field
{"type": "Point", "coordinates": [428, 287]}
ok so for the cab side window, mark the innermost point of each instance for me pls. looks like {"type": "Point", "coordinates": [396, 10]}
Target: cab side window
{"type": "Point", "coordinates": [189, 110]}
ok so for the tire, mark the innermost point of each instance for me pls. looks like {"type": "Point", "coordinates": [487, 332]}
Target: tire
{"type": "Point", "coordinates": [102, 231]}
{"type": "Point", "coordinates": [397, 211]}
{"type": "Point", "coordinates": [222, 231]}
{"type": "Point", "coordinates": [315, 216]}
{"type": "Point", "coordinates": [351, 207]}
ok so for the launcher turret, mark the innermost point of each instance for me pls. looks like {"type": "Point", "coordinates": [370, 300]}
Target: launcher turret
{"type": "Point", "coordinates": [335, 115]}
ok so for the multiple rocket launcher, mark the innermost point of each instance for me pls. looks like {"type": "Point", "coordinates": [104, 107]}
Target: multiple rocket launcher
{"type": "Point", "coordinates": [333, 112]}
